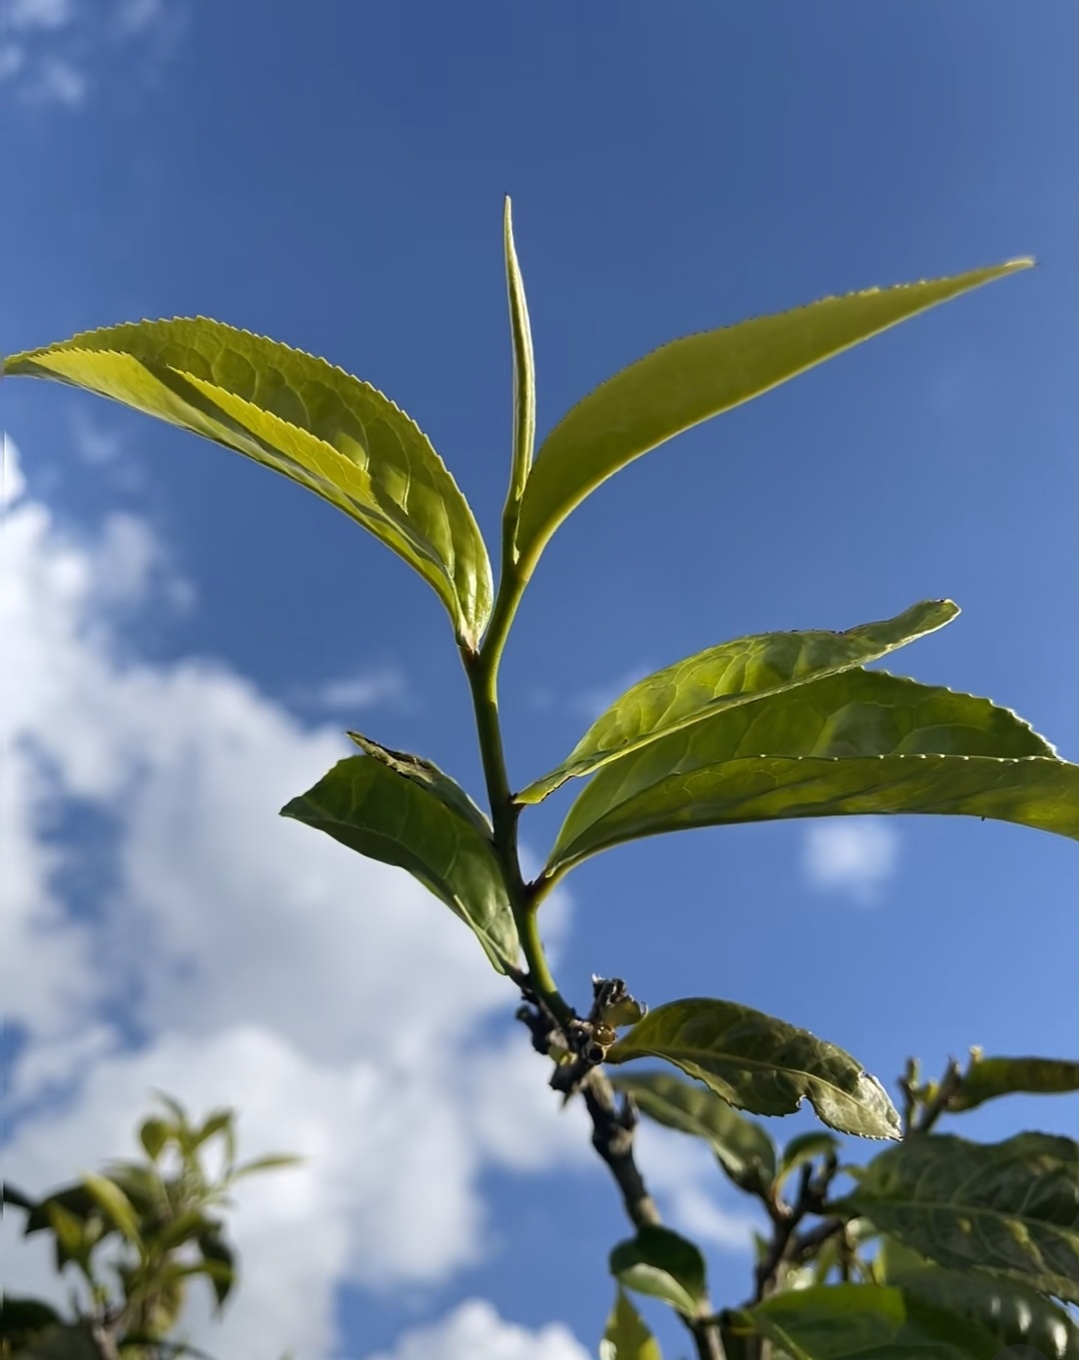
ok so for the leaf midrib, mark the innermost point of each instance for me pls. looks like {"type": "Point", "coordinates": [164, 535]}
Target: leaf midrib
{"type": "Point", "coordinates": [757, 1064]}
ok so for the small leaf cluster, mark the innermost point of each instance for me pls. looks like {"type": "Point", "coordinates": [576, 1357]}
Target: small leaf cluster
{"type": "Point", "coordinates": [136, 1234]}
{"type": "Point", "coordinates": [946, 1249]}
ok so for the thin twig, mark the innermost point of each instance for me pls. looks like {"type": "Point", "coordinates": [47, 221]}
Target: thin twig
{"type": "Point", "coordinates": [614, 1124]}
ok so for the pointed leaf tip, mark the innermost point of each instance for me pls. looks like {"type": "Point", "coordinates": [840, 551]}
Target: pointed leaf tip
{"type": "Point", "coordinates": [761, 1064]}
{"type": "Point", "coordinates": [729, 675]}
{"type": "Point", "coordinates": [693, 379]}
{"type": "Point", "coordinates": [302, 417]}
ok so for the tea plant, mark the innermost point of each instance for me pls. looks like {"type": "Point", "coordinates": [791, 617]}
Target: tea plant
{"type": "Point", "coordinates": [136, 1234]}
{"type": "Point", "coordinates": [974, 1247]}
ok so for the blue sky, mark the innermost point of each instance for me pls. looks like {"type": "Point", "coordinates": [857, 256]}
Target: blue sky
{"type": "Point", "coordinates": [191, 635]}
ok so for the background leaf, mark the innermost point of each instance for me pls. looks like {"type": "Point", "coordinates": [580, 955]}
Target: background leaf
{"type": "Point", "coordinates": [733, 673]}
{"type": "Point", "coordinates": [216, 1251]}
{"type": "Point", "coordinates": [302, 417]}
{"type": "Point", "coordinates": [1010, 1313]}
{"type": "Point", "coordinates": [662, 1264]}
{"type": "Point", "coordinates": [370, 805]}
{"type": "Point", "coordinates": [744, 1150]}
{"type": "Point", "coordinates": [1008, 1208]}
{"type": "Point", "coordinates": [804, 1148]}
{"type": "Point", "coordinates": [692, 379]}
{"type": "Point", "coordinates": [74, 1341]}
{"type": "Point", "coordinates": [627, 1337]}
{"type": "Point", "coordinates": [868, 1322]}
{"type": "Point", "coordinates": [153, 1135]}
{"type": "Point", "coordinates": [762, 1064]}
{"type": "Point", "coordinates": [857, 742]}
{"type": "Point", "coordinates": [115, 1204]}
{"type": "Point", "coordinates": [989, 1078]}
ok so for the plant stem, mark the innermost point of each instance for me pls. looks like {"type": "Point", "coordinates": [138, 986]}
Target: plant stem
{"type": "Point", "coordinates": [482, 670]}
{"type": "Point", "coordinates": [612, 1135]}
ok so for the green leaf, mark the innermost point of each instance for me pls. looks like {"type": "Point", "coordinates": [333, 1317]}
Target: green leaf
{"type": "Point", "coordinates": [9, 1195]}
{"type": "Point", "coordinates": [215, 1250]}
{"type": "Point", "coordinates": [1009, 1208]}
{"type": "Point", "coordinates": [75, 1200]}
{"type": "Point", "coordinates": [761, 1064]}
{"type": "Point", "coordinates": [663, 1265]}
{"type": "Point", "coordinates": [857, 742]}
{"type": "Point", "coordinates": [804, 1148]}
{"type": "Point", "coordinates": [1010, 1313]}
{"type": "Point", "coordinates": [744, 1150]}
{"type": "Point", "coordinates": [19, 1316]}
{"type": "Point", "coordinates": [271, 1162]}
{"type": "Point", "coordinates": [74, 1239]}
{"type": "Point", "coordinates": [302, 417]}
{"type": "Point", "coordinates": [217, 1121]}
{"type": "Point", "coordinates": [153, 1135]}
{"type": "Point", "coordinates": [143, 1186]}
{"type": "Point", "coordinates": [428, 776]}
{"type": "Point", "coordinates": [400, 810]}
{"type": "Point", "coordinates": [186, 1227]}
{"type": "Point", "coordinates": [115, 1204]}
{"type": "Point", "coordinates": [74, 1341]}
{"type": "Point", "coordinates": [867, 1322]}
{"type": "Point", "coordinates": [989, 1078]}
{"type": "Point", "coordinates": [731, 674]}
{"type": "Point", "coordinates": [627, 1337]}
{"type": "Point", "coordinates": [894, 1259]}
{"type": "Point", "coordinates": [173, 1106]}
{"type": "Point", "coordinates": [693, 379]}
{"type": "Point", "coordinates": [524, 375]}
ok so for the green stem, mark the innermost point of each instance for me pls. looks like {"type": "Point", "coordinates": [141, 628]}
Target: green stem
{"type": "Point", "coordinates": [482, 670]}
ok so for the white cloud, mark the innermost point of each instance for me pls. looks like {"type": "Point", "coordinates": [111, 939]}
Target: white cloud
{"type": "Point", "coordinates": [330, 999]}
{"type": "Point", "coordinates": [95, 443]}
{"type": "Point", "coordinates": [12, 481]}
{"type": "Point", "coordinates": [58, 82]}
{"type": "Point", "coordinates": [53, 52]}
{"type": "Point", "coordinates": [11, 60]}
{"type": "Point", "coordinates": [136, 16]}
{"type": "Point", "coordinates": [856, 856]}
{"type": "Point", "coordinates": [337, 1006]}
{"type": "Point", "coordinates": [18, 15]}
{"type": "Point", "coordinates": [364, 689]}
{"type": "Point", "coordinates": [474, 1331]}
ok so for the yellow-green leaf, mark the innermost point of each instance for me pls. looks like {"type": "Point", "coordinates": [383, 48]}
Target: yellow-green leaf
{"type": "Point", "coordinates": [693, 379]}
{"type": "Point", "coordinates": [989, 1078]}
{"type": "Point", "coordinates": [856, 742]}
{"type": "Point", "coordinates": [302, 417]}
{"type": "Point", "coordinates": [761, 1064]}
{"type": "Point", "coordinates": [524, 375]}
{"type": "Point", "coordinates": [627, 1337]}
{"type": "Point", "coordinates": [961, 1319]}
{"type": "Point", "coordinates": [664, 1265]}
{"type": "Point", "coordinates": [401, 810]}
{"type": "Point", "coordinates": [115, 1204]}
{"type": "Point", "coordinates": [733, 673]}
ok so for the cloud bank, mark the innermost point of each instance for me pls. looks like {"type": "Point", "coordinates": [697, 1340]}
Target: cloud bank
{"type": "Point", "coordinates": [231, 957]}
